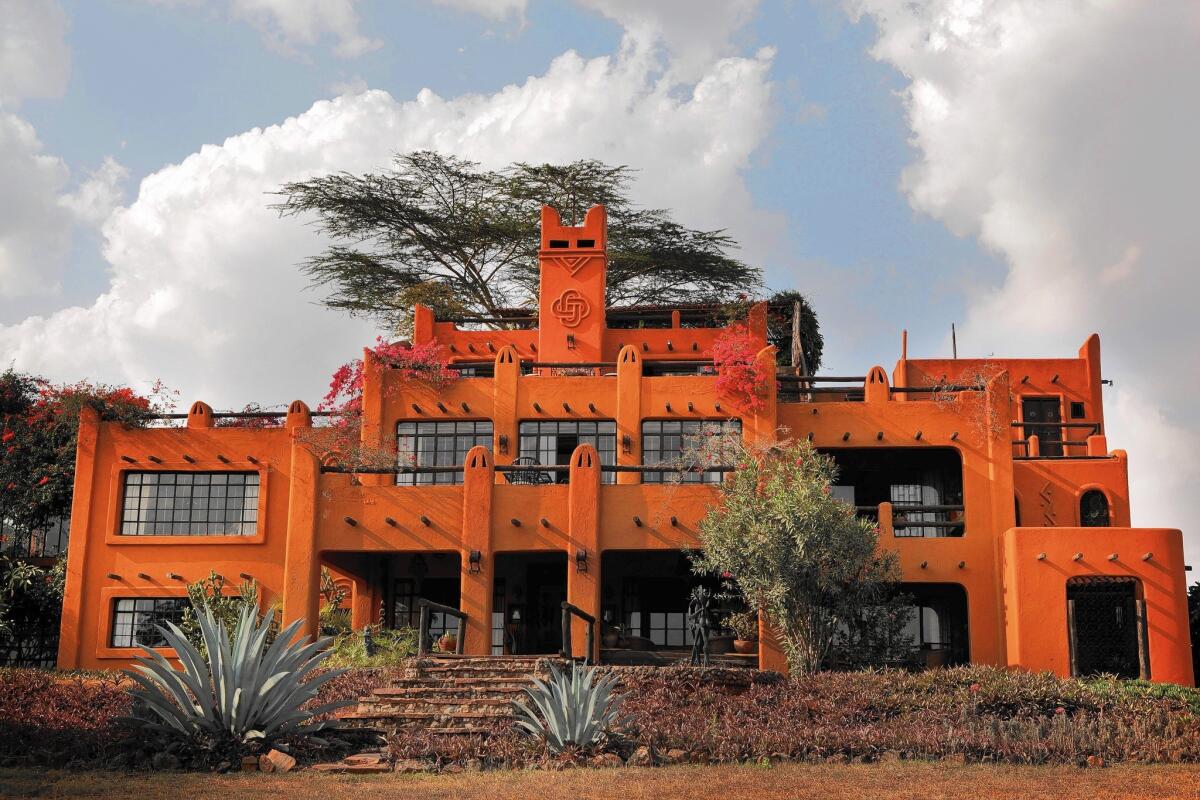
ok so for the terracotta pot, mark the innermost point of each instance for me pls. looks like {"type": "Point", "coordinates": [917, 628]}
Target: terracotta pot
{"type": "Point", "coordinates": [447, 643]}
{"type": "Point", "coordinates": [745, 646]}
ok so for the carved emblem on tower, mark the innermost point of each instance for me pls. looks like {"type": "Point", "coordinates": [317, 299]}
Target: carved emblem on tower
{"type": "Point", "coordinates": [571, 308]}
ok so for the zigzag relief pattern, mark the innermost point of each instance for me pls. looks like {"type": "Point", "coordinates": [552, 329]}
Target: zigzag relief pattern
{"type": "Point", "coordinates": [571, 264]}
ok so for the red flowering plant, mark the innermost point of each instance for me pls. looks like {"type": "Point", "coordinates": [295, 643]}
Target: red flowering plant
{"type": "Point", "coordinates": [740, 377]}
{"type": "Point", "coordinates": [39, 421]}
{"type": "Point", "coordinates": [424, 363]}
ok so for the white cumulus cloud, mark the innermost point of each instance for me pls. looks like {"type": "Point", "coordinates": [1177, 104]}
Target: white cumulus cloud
{"type": "Point", "coordinates": [1063, 135]}
{"type": "Point", "coordinates": [205, 292]}
{"type": "Point", "coordinates": [34, 58]}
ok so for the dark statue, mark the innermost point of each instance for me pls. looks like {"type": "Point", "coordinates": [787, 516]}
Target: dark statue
{"type": "Point", "coordinates": [700, 624]}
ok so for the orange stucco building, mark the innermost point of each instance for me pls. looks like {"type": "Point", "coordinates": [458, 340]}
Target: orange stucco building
{"type": "Point", "coordinates": [531, 481]}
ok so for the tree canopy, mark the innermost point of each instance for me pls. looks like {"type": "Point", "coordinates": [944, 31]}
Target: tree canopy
{"type": "Point", "coordinates": [445, 232]}
{"type": "Point", "coordinates": [800, 555]}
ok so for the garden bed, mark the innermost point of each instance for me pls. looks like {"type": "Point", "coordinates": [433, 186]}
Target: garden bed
{"type": "Point", "coordinates": [688, 714]}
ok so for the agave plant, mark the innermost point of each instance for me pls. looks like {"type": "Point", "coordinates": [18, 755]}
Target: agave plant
{"type": "Point", "coordinates": [242, 690]}
{"type": "Point", "coordinates": [572, 708]}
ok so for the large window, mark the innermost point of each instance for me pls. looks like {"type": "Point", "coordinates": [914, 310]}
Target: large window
{"type": "Point", "coordinates": [438, 444]}
{"type": "Point", "coordinates": [190, 504]}
{"type": "Point", "coordinates": [924, 486]}
{"type": "Point", "coordinates": [134, 619]}
{"type": "Point", "coordinates": [553, 441]}
{"type": "Point", "coordinates": [682, 444]}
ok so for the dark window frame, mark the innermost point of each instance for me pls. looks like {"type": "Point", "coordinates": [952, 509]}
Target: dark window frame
{"type": "Point", "coordinates": [663, 436]}
{"type": "Point", "coordinates": [450, 439]}
{"type": "Point", "coordinates": [600, 433]}
{"type": "Point", "coordinates": [225, 507]}
{"type": "Point", "coordinates": [152, 610]}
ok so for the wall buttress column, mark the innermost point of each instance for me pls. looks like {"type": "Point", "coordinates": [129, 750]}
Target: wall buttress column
{"type": "Point", "coordinates": [476, 592]}
{"type": "Point", "coordinates": [70, 630]}
{"type": "Point", "coordinates": [504, 405]}
{"type": "Point", "coordinates": [629, 412]}
{"type": "Point", "coordinates": [583, 534]}
{"type": "Point", "coordinates": [302, 566]}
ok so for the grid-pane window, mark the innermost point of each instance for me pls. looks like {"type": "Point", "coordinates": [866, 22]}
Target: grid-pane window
{"type": "Point", "coordinates": [438, 444]}
{"type": "Point", "coordinates": [683, 445]}
{"type": "Point", "coordinates": [553, 441]}
{"type": "Point", "coordinates": [134, 619]}
{"type": "Point", "coordinates": [190, 504]}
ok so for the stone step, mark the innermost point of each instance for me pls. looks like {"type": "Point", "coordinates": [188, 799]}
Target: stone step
{"type": "Point", "coordinates": [444, 706]}
{"type": "Point", "coordinates": [423, 719]}
{"type": "Point", "coordinates": [459, 690]}
{"type": "Point", "coordinates": [434, 700]}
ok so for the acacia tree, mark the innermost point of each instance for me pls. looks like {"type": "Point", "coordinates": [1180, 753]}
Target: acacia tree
{"type": "Point", "coordinates": [444, 232]}
{"type": "Point", "coordinates": [803, 558]}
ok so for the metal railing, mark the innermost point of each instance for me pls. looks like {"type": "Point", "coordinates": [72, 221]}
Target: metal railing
{"type": "Point", "coordinates": [568, 611]}
{"type": "Point", "coordinates": [426, 606]}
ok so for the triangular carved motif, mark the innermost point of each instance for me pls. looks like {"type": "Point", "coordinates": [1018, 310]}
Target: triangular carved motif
{"type": "Point", "coordinates": [573, 263]}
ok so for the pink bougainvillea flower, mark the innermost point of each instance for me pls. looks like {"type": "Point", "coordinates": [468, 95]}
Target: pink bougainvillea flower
{"type": "Point", "coordinates": [8, 436]}
{"type": "Point", "coordinates": [45, 479]}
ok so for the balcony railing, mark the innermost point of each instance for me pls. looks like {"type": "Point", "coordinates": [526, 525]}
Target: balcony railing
{"type": "Point", "coordinates": [897, 520]}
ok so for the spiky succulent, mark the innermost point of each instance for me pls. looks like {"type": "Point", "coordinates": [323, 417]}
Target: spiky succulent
{"type": "Point", "coordinates": [572, 708]}
{"type": "Point", "coordinates": [240, 690]}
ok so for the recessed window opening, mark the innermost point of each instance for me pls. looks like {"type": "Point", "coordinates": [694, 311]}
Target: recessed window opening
{"type": "Point", "coordinates": [438, 444]}
{"type": "Point", "coordinates": [553, 441]}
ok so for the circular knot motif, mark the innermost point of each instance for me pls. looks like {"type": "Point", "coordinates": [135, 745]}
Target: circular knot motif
{"type": "Point", "coordinates": [571, 308]}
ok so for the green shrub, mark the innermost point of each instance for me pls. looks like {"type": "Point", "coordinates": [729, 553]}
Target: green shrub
{"type": "Point", "coordinates": [389, 648]}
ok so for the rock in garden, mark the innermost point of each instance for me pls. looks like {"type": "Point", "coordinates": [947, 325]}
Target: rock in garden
{"type": "Point", "coordinates": [281, 761]}
{"type": "Point", "coordinates": [642, 757]}
{"type": "Point", "coordinates": [249, 763]}
{"type": "Point", "coordinates": [410, 766]}
{"type": "Point", "coordinates": [164, 761]}
{"type": "Point", "coordinates": [675, 756]}
{"type": "Point", "coordinates": [606, 760]}
{"type": "Point", "coordinates": [364, 758]}
{"type": "Point", "coordinates": [265, 764]}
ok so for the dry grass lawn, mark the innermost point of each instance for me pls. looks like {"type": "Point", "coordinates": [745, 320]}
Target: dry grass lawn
{"type": "Point", "coordinates": [920, 781]}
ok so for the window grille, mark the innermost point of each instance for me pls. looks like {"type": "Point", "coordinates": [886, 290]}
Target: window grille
{"type": "Point", "coordinates": [134, 619]}
{"type": "Point", "coordinates": [190, 504]}
{"type": "Point", "coordinates": [438, 444]}
{"type": "Point", "coordinates": [664, 442]}
{"type": "Point", "coordinates": [551, 442]}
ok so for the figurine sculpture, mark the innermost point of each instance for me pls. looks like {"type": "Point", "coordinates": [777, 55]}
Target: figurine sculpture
{"type": "Point", "coordinates": [699, 624]}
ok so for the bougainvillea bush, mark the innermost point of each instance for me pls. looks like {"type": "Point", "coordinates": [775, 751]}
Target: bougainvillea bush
{"type": "Point", "coordinates": [425, 364]}
{"type": "Point", "coordinates": [741, 379]}
{"type": "Point", "coordinates": [39, 421]}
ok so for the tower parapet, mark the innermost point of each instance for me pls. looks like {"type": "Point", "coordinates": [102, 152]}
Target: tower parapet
{"type": "Point", "coordinates": [572, 262]}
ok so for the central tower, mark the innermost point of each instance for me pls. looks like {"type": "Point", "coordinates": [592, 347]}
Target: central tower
{"type": "Point", "coordinates": [572, 264]}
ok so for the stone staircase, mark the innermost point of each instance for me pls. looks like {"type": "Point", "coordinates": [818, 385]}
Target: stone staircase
{"type": "Point", "coordinates": [449, 695]}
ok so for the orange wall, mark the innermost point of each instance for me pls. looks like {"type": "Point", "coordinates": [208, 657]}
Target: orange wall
{"type": "Point", "coordinates": [1038, 563]}
{"type": "Point", "coordinates": [308, 517]}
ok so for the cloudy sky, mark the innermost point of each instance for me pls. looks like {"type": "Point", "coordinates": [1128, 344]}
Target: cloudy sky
{"type": "Point", "coordinates": [1025, 169]}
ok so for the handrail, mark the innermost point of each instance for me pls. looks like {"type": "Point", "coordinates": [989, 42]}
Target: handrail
{"type": "Point", "coordinates": [399, 470]}
{"type": "Point", "coordinates": [567, 611]}
{"type": "Point", "coordinates": [423, 630]}
{"type": "Point", "coordinates": [240, 415]}
{"type": "Point", "coordinates": [1095, 426]}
